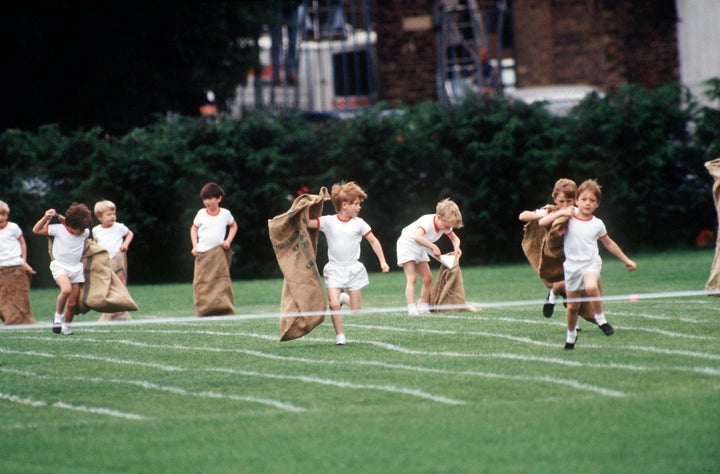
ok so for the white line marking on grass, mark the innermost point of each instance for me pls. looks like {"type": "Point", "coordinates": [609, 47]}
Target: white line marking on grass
{"type": "Point", "coordinates": [341, 384]}
{"type": "Point", "coordinates": [168, 368]}
{"type": "Point", "coordinates": [165, 388]}
{"type": "Point", "coordinates": [67, 406]}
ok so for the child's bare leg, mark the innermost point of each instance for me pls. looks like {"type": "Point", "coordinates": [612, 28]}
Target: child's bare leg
{"type": "Point", "coordinates": [423, 268]}
{"type": "Point", "coordinates": [334, 297]}
{"type": "Point", "coordinates": [71, 306]}
{"type": "Point", "coordinates": [571, 316]}
{"type": "Point", "coordinates": [355, 299]}
{"type": "Point", "coordinates": [410, 280]}
{"type": "Point", "coordinates": [593, 288]}
{"type": "Point", "coordinates": [63, 281]}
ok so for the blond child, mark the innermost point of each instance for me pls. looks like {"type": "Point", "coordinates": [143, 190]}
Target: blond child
{"type": "Point", "coordinates": [111, 235]}
{"type": "Point", "coordinates": [14, 272]}
{"type": "Point", "coordinates": [344, 232]}
{"type": "Point", "coordinates": [66, 264]}
{"type": "Point", "coordinates": [414, 243]}
{"type": "Point", "coordinates": [583, 264]}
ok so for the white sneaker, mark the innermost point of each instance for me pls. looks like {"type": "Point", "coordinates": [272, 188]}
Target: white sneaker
{"type": "Point", "coordinates": [424, 308]}
{"type": "Point", "coordinates": [340, 340]}
{"type": "Point", "coordinates": [66, 330]}
{"type": "Point", "coordinates": [412, 310]}
{"type": "Point", "coordinates": [344, 299]}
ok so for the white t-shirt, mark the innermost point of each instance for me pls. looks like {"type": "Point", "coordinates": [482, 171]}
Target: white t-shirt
{"type": "Point", "coordinates": [343, 237]}
{"type": "Point", "coordinates": [426, 223]}
{"type": "Point", "coordinates": [10, 250]}
{"type": "Point", "coordinates": [67, 248]}
{"type": "Point", "coordinates": [580, 242]}
{"type": "Point", "coordinates": [211, 229]}
{"type": "Point", "coordinates": [110, 238]}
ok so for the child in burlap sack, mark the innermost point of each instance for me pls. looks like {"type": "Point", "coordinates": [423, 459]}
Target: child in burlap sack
{"type": "Point", "coordinates": [15, 273]}
{"type": "Point", "coordinates": [344, 232]}
{"type": "Point", "coordinates": [115, 238]}
{"type": "Point", "coordinates": [412, 250]}
{"type": "Point", "coordinates": [66, 260]}
{"type": "Point", "coordinates": [583, 264]}
{"type": "Point", "coordinates": [212, 231]}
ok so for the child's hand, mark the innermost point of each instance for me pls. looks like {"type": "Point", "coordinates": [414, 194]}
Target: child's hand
{"type": "Point", "coordinates": [225, 244]}
{"type": "Point", "coordinates": [630, 265]}
{"type": "Point", "coordinates": [29, 269]}
{"type": "Point", "coordinates": [457, 252]}
{"type": "Point", "coordinates": [385, 267]}
{"type": "Point", "coordinates": [436, 251]}
{"type": "Point", "coordinates": [49, 214]}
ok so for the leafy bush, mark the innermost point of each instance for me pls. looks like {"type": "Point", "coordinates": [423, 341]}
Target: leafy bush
{"type": "Point", "coordinates": [493, 157]}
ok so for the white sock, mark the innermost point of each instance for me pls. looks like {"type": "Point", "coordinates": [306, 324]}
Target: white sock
{"type": "Point", "coordinates": [552, 297]}
{"type": "Point", "coordinates": [424, 308]}
{"type": "Point", "coordinates": [58, 318]}
{"type": "Point", "coordinates": [600, 319]}
{"type": "Point", "coordinates": [412, 308]}
{"type": "Point", "coordinates": [571, 336]}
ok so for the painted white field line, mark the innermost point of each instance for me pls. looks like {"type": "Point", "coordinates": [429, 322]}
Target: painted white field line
{"type": "Point", "coordinates": [164, 388]}
{"type": "Point", "coordinates": [110, 360]}
{"type": "Point", "coordinates": [155, 319]}
{"type": "Point", "coordinates": [342, 384]}
{"type": "Point", "coordinates": [93, 410]}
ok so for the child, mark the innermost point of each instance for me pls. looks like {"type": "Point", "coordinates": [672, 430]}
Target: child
{"type": "Point", "coordinates": [344, 232]}
{"type": "Point", "coordinates": [582, 259]}
{"type": "Point", "coordinates": [115, 238]}
{"type": "Point", "coordinates": [14, 272]}
{"type": "Point", "coordinates": [66, 264]}
{"type": "Point", "coordinates": [212, 231]}
{"type": "Point", "coordinates": [563, 195]}
{"type": "Point", "coordinates": [111, 235]}
{"type": "Point", "coordinates": [413, 245]}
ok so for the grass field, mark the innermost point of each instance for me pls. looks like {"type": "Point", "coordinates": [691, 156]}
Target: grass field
{"type": "Point", "coordinates": [457, 392]}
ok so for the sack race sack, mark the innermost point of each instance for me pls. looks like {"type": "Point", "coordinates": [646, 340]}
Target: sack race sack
{"type": "Point", "coordinates": [103, 291]}
{"type": "Point", "coordinates": [295, 248]}
{"type": "Point", "coordinates": [713, 283]}
{"type": "Point", "coordinates": [449, 290]}
{"type": "Point", "coordinates": [212, 285]}
{"type": "Point", "coordinates": [15, 295]}
{"type": "Point", "coordinates": [118, 264]}
{"type": "Point", "coordinates": [552, 254]}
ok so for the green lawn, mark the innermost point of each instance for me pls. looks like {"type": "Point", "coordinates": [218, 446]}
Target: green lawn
{"type": "Point", "coordinates": [489, 391]}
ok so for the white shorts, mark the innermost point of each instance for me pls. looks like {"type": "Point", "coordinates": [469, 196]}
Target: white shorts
{"type": "Point", "coordinates": [410, 253]}
{"type": "Point", "coordinates": [74, 271]}
{"type": "Point", "coordinates": [351, 276]}
{"type": "Point", "coordinates": [575, 272]}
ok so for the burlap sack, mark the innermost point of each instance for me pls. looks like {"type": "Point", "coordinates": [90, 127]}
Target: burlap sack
{"type": "Point", "coordinates": [119, 266]}
{"type": "Point", "coordinates": [295, 248]}
{"type": "Point", "coordinates": [212, 285]}
{"type": "Point", "coordinates": [449, 290]}
{"type": "Point", "coordinates": [552, 254]}
{"type": "Point", "coordinates": [102, 291]}
{"type": "Point", "coordinates": [713, 283]}
{"type": "Point", "coordinates": [15, 295]}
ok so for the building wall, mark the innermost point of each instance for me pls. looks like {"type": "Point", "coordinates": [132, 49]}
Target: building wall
{"type": "Point", "coordinates": [600, 42]}
{"type": "Point", "coordinates": [698, 38]}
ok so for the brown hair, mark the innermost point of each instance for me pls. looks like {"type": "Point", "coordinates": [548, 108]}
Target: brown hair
{"type": "Point", "coordinates": [449, 212]}
{"type": "Point", "coordinates": [564, 187]}
{"type": "Point", "coordinates": [78, 216]}
{"type": "Point", "coordinates": [211, 190]}
{"type": "Point", "coordinates": [346, 192]}
{"type": "Point", "coordinates": [592, 186]}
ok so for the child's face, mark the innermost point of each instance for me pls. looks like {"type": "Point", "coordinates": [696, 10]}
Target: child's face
{"type": "Point", "coordinates": [351, 209]}
{"type": "Point", "coordinates": [212, 204]}
{"type": "Point", "coordinates": [587, 203]}
{"type": "Point", "coordinates": [108, 218]}
{"type": "Point", "coordinates": [563, 200]}
{"type": "Point", "coordinates": [3, 217]}
{"type": "Point", "coordinates": [442, 223]}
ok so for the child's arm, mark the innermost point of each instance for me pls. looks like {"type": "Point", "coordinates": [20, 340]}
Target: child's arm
{"type": "Point", "coordinates": [40, 226]}
{"type": "Point", "coordinates": [313, 223]}
{"type": "Point", "coordinates": [615, 249]}
{"type": "Point", "coordinates": [420, 239]}
{"type": "Point", "coordinates": [194, 239]}
{"type": "Point", "coordinates": [126, 242]}
{"type": "Point", "coordinates": [231, 235]}
{"type": "Point", "coordinates": [456, 243]}
{"type": "Point", "coordinates": [23, 253]}
{"type": "Point", "coordinates": [527, 216]}
{"type": "Point", "coordinates": [550, 218]}
{"type": "Point", "coordinates": [377, 248]}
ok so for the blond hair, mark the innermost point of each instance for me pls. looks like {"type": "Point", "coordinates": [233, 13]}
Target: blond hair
{"type": "Point", "coordinates": [346, 192]}
{"type": "Point", "coordinates": [449, 212]}
{"type": "Point", "coordinates": [4, 208]}
{"type": "Point", "coordinates": [102, 206]}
